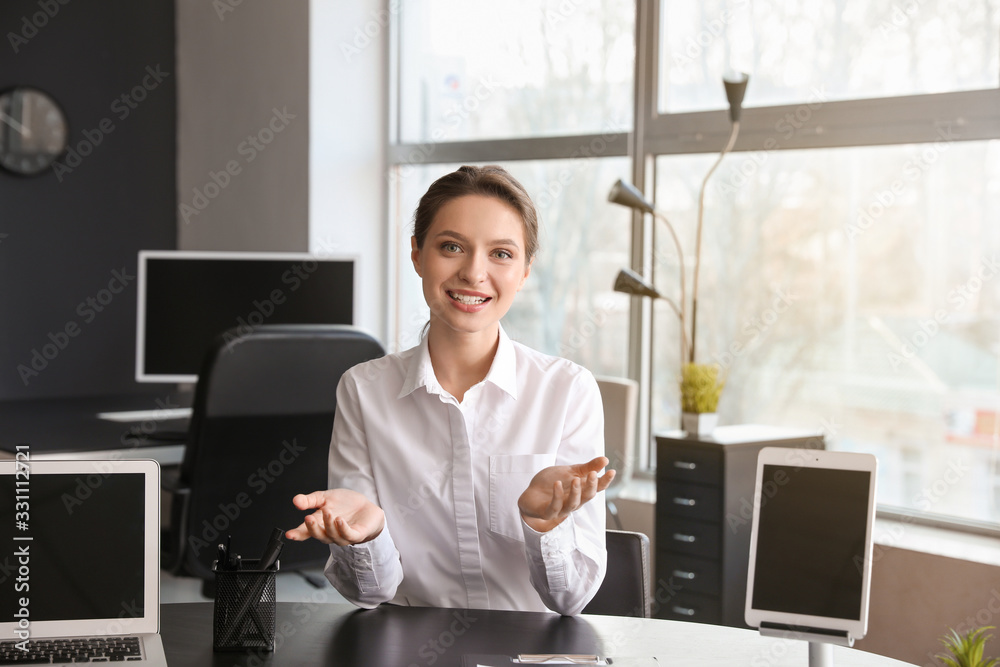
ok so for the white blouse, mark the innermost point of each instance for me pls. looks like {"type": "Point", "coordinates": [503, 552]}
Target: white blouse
{"type": "Point", "coordinates": [448, 476]}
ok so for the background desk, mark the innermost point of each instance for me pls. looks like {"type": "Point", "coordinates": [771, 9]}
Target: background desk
{"type": "Point", "coordinates": [69, 428]}
{"type": "Point", "coordinates": [332, 634]}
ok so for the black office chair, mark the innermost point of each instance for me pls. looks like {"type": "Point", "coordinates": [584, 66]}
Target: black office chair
{"type": "Point", "coordinates": [260, 433]}
{"type": "Point", "coordinates": [625, 591]}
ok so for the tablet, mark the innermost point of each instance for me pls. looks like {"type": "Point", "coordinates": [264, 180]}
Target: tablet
{"type": "Point", "coordinates": [811, 544]}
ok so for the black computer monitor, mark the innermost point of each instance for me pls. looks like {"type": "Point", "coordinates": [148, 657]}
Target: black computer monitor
{"type": "Point", "coordinates": [187, 298]}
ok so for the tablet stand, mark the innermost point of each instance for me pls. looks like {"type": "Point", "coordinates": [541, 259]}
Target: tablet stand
{"type": "Point", "coordinates": [820, 654]}
{"type": "Point", "coordinates": [820, 640]}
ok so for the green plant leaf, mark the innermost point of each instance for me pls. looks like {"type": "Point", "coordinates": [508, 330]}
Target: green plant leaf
{"type": "Point", "coordinates": [700, 388]}
{"type": "Point", "coordinates": [967, 650]}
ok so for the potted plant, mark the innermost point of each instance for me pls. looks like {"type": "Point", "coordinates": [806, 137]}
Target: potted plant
{"type": "Point", "coordinates": [966, 650]}
{"type": "Point", "coordinates": [700, 391]}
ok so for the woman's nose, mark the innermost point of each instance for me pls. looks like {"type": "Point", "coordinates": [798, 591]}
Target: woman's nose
{"type": "Point", "coordinates": [473, 270]}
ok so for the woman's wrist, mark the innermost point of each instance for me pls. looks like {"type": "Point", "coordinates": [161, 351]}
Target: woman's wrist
{"type": "Point", "coordinates": [541, 525]}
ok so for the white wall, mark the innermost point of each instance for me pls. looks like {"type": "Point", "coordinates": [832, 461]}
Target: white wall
{"type": "Point", "coordinates": [320, 184]}
{"type": "Point", "coordinates": [348, 191]}
{"type": "Point", "coordinates": [243, 103]}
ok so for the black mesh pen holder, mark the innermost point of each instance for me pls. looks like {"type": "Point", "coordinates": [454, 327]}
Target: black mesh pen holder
{"type": "Point", "coordinates": [244, 608]}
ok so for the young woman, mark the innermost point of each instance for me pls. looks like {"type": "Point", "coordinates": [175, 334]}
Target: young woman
{"type": "Point", "coordinates": [462, 470]}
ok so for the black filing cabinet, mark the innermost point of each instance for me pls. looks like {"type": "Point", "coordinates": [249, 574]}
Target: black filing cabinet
{"type": "Point", "coordinates": [704, 509]}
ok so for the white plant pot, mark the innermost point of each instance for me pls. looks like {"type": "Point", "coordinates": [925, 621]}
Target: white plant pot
{"type": "Point", "coordinates": [699, 423]}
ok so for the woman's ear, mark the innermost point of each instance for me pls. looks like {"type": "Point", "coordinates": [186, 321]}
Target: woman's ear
{"type": "Point", "coordinates": [527, 272]}
{"type": "Point", "coordinates": [415, 255]}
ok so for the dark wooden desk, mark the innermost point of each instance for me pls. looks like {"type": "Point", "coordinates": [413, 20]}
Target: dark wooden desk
{"type": "Point", "coordinates": [313, 634]}
{"type": "Point", "coordinates": [69, 427]}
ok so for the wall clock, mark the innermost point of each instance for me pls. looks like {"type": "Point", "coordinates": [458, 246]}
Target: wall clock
{"type": "Point", "coordinates": [33, 130]}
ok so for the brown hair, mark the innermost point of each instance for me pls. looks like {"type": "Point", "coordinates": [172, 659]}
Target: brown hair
{"type": "Point", "coordinates": [489, 181]}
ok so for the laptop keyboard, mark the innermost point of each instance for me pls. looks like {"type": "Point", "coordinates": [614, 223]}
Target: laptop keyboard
{"type": "Point", "coordinates": [80, 649]}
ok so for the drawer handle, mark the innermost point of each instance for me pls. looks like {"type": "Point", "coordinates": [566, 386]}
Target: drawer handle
{"type": "Point", "coordinates": [685, 465]}
{"type": "Point", "coordinates": [681, 574]}
{"type": "Point", "coordinates": [687, 502]}
{"type": "Point", "coordinates": [681, 537]}
{"type": "Point", "coordinates": [683, 611]}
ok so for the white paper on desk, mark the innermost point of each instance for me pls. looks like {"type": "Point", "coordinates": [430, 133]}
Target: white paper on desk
{"type": "Point", "coordinates": [647, 661]}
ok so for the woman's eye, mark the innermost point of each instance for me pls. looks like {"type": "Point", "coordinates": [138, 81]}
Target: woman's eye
{"type": "Point", "coordinates": [450, 247]}
{"type": "Point", "coordinates": [504, 254]}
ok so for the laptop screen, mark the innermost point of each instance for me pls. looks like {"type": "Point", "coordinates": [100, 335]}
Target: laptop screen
{"type": "Point", "coordinates": [86, 547]}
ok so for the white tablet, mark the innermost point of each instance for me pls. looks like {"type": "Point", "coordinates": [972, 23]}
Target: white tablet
{"type": "Point", "coordinates": [811, 544]}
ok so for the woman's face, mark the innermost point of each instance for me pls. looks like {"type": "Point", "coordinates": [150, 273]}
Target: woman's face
{"type": "Point", "coordinates": [472, 264]}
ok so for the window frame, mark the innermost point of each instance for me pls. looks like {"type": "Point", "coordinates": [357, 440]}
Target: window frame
{"type": "Point", "coordinates": [955, 116]}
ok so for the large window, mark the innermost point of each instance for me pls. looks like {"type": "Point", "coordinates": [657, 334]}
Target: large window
{"type": "Point", "coordinates": [849, 279]}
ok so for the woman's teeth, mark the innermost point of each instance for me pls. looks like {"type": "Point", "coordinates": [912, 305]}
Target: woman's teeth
{"type": "Point", "coordinates": [466, 299]}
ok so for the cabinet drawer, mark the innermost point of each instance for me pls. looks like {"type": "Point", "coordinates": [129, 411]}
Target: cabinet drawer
{"type": "Point", "coordinates": [689, 501]}
{"type": "Point", "coordinates": [692, 607]}
{"type": "Point", "coordinates": [696, 575]}
{"type": "Point", "coordinates": [694, 538]}
{"type": "Point", "coordinates": [689, 464]}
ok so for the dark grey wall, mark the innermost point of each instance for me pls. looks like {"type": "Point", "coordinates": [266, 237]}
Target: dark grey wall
{"type": "Point", "coordinates": [64, 237]}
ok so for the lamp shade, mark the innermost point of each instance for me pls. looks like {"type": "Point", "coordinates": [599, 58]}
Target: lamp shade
{"type": "Point", "coordinates": [630, 282]}
{"type": "Point", "coordinates": [626, 194]}
{"type": "Point", "coordinates": [736, 87]}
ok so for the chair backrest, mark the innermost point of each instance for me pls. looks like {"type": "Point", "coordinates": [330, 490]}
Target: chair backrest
{"type": "Point", "coordinates": [260, 433]}
{"type": "Point", "coordinates": [626, 587]}
{"type": "Point", "coordinates": [625, 591]}
{"type": "Point", "coordinates": [621, 404]}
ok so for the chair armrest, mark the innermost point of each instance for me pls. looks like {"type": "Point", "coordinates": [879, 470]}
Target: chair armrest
{"type": "Point", "coordinates": [173, 542]}
{"type": "Point", "coordinates": [170, 480]}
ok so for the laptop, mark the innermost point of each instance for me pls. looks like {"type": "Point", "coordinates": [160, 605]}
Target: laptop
{"type": "Point", "coordinates": [80, 561]}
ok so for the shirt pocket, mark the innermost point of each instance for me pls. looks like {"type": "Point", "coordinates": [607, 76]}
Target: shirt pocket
{"type": "Point", "coordinates": [509, 477]}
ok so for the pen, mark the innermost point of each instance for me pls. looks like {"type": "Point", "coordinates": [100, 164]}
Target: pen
{"type": "Point", "coordinates": [223, 562]}
{"type": "Point", "coordinates": [272, 550]}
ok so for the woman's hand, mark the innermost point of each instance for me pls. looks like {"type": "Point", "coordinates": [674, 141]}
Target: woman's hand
{"type": "Point", "coordinates": [557, 491]}
{"type": "Point", "coordinates": [342, 516]}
